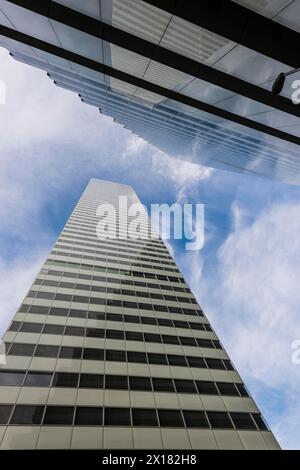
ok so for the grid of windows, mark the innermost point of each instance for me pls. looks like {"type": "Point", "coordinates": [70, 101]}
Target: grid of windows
{"type": "Point", "coordinates": [111, 416]}
{"type": "Point", "coordinates": [95, 354]}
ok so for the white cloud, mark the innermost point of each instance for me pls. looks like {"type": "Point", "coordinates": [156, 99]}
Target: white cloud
{"type": "Point", "coordinates": [254, 304]}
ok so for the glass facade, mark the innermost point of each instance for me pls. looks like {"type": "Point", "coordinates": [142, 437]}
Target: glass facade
{"type": "Point", "coordinates": [110, 349]}
{"type": "Point", "coordinates": [198, 91]}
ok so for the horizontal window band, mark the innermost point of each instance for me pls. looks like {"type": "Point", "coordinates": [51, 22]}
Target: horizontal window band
{"type": "Point", "coordinates": [23, 378]}
{"type": "Point", "coordinates": [142, 417]}
{"type": "Point", "coordinates": [114, 355]}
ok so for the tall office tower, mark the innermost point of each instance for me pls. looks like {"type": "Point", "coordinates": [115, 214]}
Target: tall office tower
{"type": "Point", "coordinates": [110, 349]}
{"type": "Point", "coordinates": [192, 78]}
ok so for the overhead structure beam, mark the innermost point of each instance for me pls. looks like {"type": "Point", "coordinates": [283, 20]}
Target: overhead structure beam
{"type": "Point", "coordinates": [144, 84]}
{"type": "Point", "coordinates": [239, 24]}
{"type": "Point", "coordinates": [155, 52]}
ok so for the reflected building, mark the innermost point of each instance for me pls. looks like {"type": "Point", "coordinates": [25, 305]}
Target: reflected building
{"type": "Point", "coordinates": [110, 349]}
{"type": "Point", "coordinates": [191, 78]}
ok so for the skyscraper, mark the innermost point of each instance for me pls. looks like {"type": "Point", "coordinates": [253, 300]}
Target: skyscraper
{"type": "Point", "coordinates": [192, 78]}
{"type": "Point", "coordinates": [110, 349]}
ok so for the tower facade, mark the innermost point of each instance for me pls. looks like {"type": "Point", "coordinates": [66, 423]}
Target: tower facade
{"type": "Point", "coordinates": [110, 349]}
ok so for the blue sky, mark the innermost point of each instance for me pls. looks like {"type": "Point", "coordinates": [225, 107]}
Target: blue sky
{"type": "Point", "coordinates": [246, 277]}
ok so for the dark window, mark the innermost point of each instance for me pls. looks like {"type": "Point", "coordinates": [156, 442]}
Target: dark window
{"type": "Point", "coordinates": [89, 416]}
{"type": "Point", "coordinates": [185, 386]}
{"type": "Point", "coordinates": [54, 329]}
{"type": "Point", "coordinates": [18, 349]}
{"type": "Point", "coordinates": [59, 415]}
{"type": "Point", "coordinates": [46, 351]}
{"type": "Point", "coordinates": [170, 418]}
{"type": "Point", "coordinates": [60, 312]}
{"type": "Point", "coordinates": [204, 343]}
{"type": "Point", "coordinates": [38, 379]}
{"type": "Point", "coordinates": [196, 362]}
{"type": "Point", "coordinates": [174, 310]}
{"type": "Point", "coordinates": [160, 308]}
{"type": "Point", "coordinates": [145, 306]}
{"type": "Point", "coordinates": [152, 338]}
{"type": "Point", "coordinates": [96, 301]}
{"type": "Point", "coordinates": [76, 313]}
{"type": "Point", "coordinates": [219, 420]}
{"type": "Point", "coordinates": [93, 354]}
{"type": "Point", "coordinates": [27, 414]}
{"type": "Point", "coordinates": [144, 417]}
{"type": "Point", "coordinates": [134, 356]}
{"type": "Point", "coordinates": [91, 381]}
{"type": "Point", "coordinates": [227, 388]}
{"type": "Point", "coordinates": [195, 419]}
{"type": "Point", "coordinates": [131, 319]}
{"type": "Point", "coordinates": [242, 421]}
{"type": "Point", "coordinates": [5, 411]}
{"type": "Point", "coordinates": [95, 333]}
{"type": "Point", "coordinates": [32, 327]}
{"type": "Point", "coordinates": [140, 383]}
{"type": "Point", "coordinates": [67, 352]}
{"type": "Point", "coordinates": [77, 298]}
{"type": "Point", "coordinates": [185, 341]}
{"type": "Point", "coordinates": [15, 326]}
{"type": "Point", "coordinates": [164, 322]}
{"type": "Point", "coordinates": [45, 295]}
{"type": "Point", "coordinates": [259, 421]}
{"type": "Point", "coordinates": [163, 385]}
{"type": "Point", "coordinates": [217, 344]}
{"type": "Point", "coordinates": [133, 336]}
{"type": "Point", "coordinates": [228, 364]}
{"type": "Point", "coordinates": [114, 303]}
{"type": "Point", "coordinates": [241, 388]}
{"type": "Point", "coordinates": [114, 317]}
{"type": "Point", "coordinates": [64, 297]}
{"type": "Point", "coordinates": [214, 363]}
{"type": "Point", "coordinates": [75, 331]}
{"type": "Point", "coordinates": [11, 377]}
{"type": "Point", "coordinates": [116, 382]}
{"type": "Point", "coordinates": [168, 339]}
{"type": "Point", "coordinates": [38, 309]}
{"type": "Point", "coordinates": [65, 379]}
{"type": "Point", "coordinates": [206, 387]}
{"type": "Point", "coordinates": [117, 417]}
{"type": "Point", "coordinates": [114, 355]}
{"type": "Point", "coordinates": [148, 321]}
{"type": "Point", "coordinates": [176, 360]}
{"type": "Point", "coordinates": [96, 315]}
{"type": "Point", "coordinates": [157, 358]}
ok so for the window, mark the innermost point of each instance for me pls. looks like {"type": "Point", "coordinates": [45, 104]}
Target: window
{"type": "Point", "coordinates": [133, 336]}
{"type": "Point", "coordinates": [65, 379]}
{"type": "Point", "coordinates": [148, 321]}
{"type": "Point", "coordinates": [164, 322]}
{"type": "Point", "coordinates": [228, 364]}
{"type": "Point", "coordinates": [185, 386]}
{"type": "Point", "coordinates": [195, 419]}
{"type": "Point", "coordinates": [114, 355]}
{"type": "Point", "coordinates": [114, 317]}
{"type": "Point", "coordinates": [54, 329]}
{"type": "Point", "coordinates": [185, 341]}
{"type": "Point", "coordinates": [91, 381]}
{"type": "Point", "coordinates": [15, 326]}
{"type": "Point", "coordinates": [241, 388]}
{"type": "Point", "coordinates": [5, 411]}
{"type": "Point", "coordinates": [162, 385]}
{"type": "Point", "coordinates": [75, 331]}
{"type": "Point", "coordinates": [140, 383]}
{"type": "Point", "coordinates": [206, 388]}
{"type": "Point", "coordinates": [93, 354]}
{"type": "Point", "coordinates": [18, 349]}
{"type": "Point", "coordinates": [144, 417]}
{"type": "Point", "coordinates": [227, 388]}
{"type": "Point", "coordinates": [38, 309]}
{"type": "Point", "coordinates": [88, 416]}
{"type": "Point", "coordinates": [219, 420]}
{"type": "Point", "coordinates": [11, 377]}
{"type": "Point", "coordinates": [131, 319]}
{"type": "Point", "coordinates": [214, 363]}
{"type": "Point", "coordinates": [32, 327]}
{"type": "Point", "coordinates": [38, 379]}
{"type": "Point", "coordinates": [176, 360]}
{"type": "Point", "coordinates": [114, 334]}
{"type": "Point", "coordinates": [155, 358]}
{"type": "Point", "coordinates": [242, 421]}
{"type": "Point", "coordinates": [96, 315]}
{"type": "Point", "coordinates": [134, 356]}
{"type": "Point", "coordinates": [152, 338]}
{"type": "Point", "coordinates": [197, 326]}
{"type": "Point", "coordinates": [95, 333]}
{"type": "Point", "coordinates": [27, 414]}
{"type": "Point", "coordinates": [67, 352]}
{"type": "Point", "coordinates": [75, 313]}
{"type": "Point", "coordinates": [170, 418]}
{"type": "Point", "coordinates": [60, 312]}
{"type": "Point", "coordinates": [116, 382]}
{"type": "Point", "coordinates": [59, 415]}
{"type": "Point", "coordinates": [259, 422]}
{"type": "Point", "coordinates": [168, 339]}
{"type": "Point", "coordinates": [46, 351]}
{"type": "Point", "coordinates": [204, 343]}
{"type": "Point", "coordinates": [44, 295]}
{"type": "Point", "coordinates": [117, 417]}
